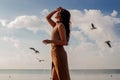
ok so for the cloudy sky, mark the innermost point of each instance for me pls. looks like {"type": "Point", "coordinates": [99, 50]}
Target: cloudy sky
{"type": "Point", "coordinates": [23, 25]}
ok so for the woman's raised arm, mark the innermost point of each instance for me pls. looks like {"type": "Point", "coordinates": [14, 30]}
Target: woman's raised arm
{"type": "Point", "coordinates": [49, 16]}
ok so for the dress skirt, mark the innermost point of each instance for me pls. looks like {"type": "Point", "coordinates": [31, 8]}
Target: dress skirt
{"type": "Point", "coordinates": [60, 69]}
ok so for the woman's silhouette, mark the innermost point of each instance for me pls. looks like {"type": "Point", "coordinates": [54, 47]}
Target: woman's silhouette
{"type": "Point", "coordinates": [59, 37]}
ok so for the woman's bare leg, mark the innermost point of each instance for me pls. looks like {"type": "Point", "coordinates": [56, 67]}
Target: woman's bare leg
{"type": "Point", "coordinates": [54, 74]}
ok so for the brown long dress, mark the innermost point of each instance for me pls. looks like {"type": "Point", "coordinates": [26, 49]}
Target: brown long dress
{"type": "Point", "coordinates": [59, 59]}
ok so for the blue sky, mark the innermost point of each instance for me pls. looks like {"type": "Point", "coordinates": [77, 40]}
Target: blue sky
{"type": "Point", "coordinates": [34, 6]}
{"type": "Point", "coordinates": [23, 25]}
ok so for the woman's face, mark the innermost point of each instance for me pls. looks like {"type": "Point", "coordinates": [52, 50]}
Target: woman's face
{"type": "Point", "coordinates": [58, 16]}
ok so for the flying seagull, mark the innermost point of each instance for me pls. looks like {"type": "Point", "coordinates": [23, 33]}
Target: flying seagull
{"type": "Point", "coordinates": [40, 60]}
{"type": "Point", "coordinates": [108, 43]}
{"type": "Point", "coordinates": [93, 27]}
{"type": "Point", "coordinates": [36, 51]}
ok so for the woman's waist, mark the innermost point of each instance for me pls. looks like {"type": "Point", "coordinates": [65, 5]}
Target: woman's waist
{"type": "Point", "coordinates": [58, 51]}
{"type": "Point", "coordinates": [54, 45]}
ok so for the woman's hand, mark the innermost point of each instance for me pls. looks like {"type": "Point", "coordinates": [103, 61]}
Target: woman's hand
{"type": "Point", "coordinates": [59, 9]}
{"type": "Point", "coordinates": [46, 41]}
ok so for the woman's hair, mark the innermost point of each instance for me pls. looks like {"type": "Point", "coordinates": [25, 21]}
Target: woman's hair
{"type": "Point", "coordinates": [65, 19]}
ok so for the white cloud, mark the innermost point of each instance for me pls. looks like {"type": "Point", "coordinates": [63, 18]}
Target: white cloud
{"type": "Point", "coordinates": [92, 42]}
{"type": "Point", "coordinates": [114, 13]}
{"type": "Point", "coordinates": [104, 24]}
{"type": "Point", "coordinates": [32, 23]}
{"type": "Point", "coordinates": [3, 22]}
{"type": "Point", "coordinates": [44, 12]}
{"type": "Point", "coordinates": [29, 22]}
{"type": "Point", "coordinates": [13, 41]}
{"type": "Point", "coordinates": [91, 50]}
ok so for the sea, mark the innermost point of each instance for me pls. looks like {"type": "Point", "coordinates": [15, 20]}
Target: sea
{"type": "Point", "coordinates": [45, 74]}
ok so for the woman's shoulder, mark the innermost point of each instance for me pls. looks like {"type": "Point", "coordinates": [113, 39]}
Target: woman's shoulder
{"type": "Point", "coordinates": [60, 26]}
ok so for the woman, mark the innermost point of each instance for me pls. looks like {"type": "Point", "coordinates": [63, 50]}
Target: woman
{"type": "Point", "coordinates": [59, 38]}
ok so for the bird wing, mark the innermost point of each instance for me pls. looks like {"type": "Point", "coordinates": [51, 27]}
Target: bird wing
{"type": "Point", "coordinates": [37, 51]}
{"type": "Point", "coordinates": [109, 44]}
{"type": "Point", "coordinates": [33, 49]}
{"type": "Point", "coordinates": [92, 25]}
